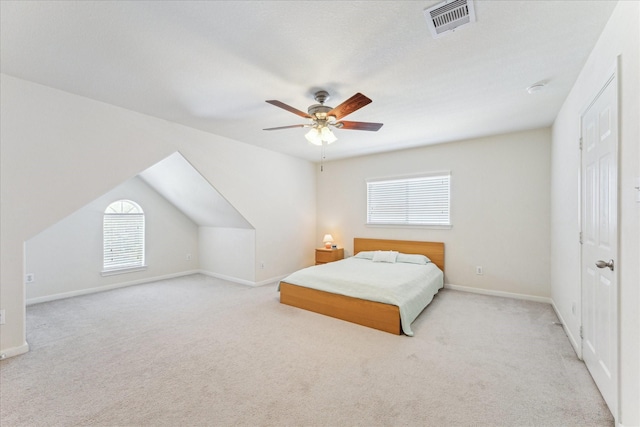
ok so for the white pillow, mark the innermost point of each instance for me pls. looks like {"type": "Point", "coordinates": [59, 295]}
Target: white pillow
{"type": "Point", "coordinates": [413, 259]}
{"type": "Point", "coordinates": [364, 255]}
{"type": "Point", "coordinates": [385, 256]}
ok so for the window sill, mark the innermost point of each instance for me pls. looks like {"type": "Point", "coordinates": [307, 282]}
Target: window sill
{"type": "Point", "coordinates": [425, 226]}
{"type": "Point", "coordinates": [122, 271]}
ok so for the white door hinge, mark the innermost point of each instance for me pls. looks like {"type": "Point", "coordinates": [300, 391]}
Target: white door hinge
{"type": "Point", "coordinates": [580, 144]}
{"type": "Point", "coordinates": [580, 238]}
{"type": "Point", "coordinates": [581, 335]}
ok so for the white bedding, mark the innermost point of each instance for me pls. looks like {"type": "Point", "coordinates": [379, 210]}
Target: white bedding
{"type": "Point", "coordinates": [411, 287]}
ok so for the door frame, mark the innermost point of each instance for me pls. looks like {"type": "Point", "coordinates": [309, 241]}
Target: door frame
{"type": "Point", "coordinates": [611, 74]}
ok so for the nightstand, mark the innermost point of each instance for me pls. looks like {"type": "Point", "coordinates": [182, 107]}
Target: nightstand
{"type": "Point", "coordinates": [324, 256]}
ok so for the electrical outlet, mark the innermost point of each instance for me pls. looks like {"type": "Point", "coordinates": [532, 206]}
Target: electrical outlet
{"type": "Point", "coordinates": [2, 318]}
{"type": "Point", "coordinates": [479, 270]}
{"type": "Point", "coordinates": [30, 278]}
{"type": "Point", "coordinates": [188, 257]}
{"type": "Point", "coordinates": [262, 265]}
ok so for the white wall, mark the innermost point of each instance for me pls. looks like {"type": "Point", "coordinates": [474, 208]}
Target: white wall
{"type": "Point", "coordinates": [499, 207]}
{"type": "Point", "coordinates": [60, 151]}
{"type": "Point", "coordinates": [621, 37]}
{"type": "Point", "coordinates": [176, 180]}
{"type": "Point", "coordinates": [228, 253]}
{"type": "Point", "coordinates": [67, 257]}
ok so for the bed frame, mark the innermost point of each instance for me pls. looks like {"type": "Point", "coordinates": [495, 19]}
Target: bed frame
{"type": "Point", "coordinates": [384, 317]}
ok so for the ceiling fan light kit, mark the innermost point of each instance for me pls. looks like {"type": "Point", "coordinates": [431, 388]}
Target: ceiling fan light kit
{"type": "Point", "coordinates": [319, 136]}
{"type": "Point", "coordinates": [324, 117]}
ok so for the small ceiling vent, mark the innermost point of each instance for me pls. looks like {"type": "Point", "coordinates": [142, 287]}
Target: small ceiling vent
{"type": "Point", "coordinates": [449, 15]}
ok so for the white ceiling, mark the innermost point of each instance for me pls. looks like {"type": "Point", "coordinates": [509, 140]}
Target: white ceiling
{"type": "Point", "coordinates": [212, 64]}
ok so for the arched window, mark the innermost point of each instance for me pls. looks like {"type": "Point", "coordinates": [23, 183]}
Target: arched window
{"type": "Point", "coordinates": [123, 233]}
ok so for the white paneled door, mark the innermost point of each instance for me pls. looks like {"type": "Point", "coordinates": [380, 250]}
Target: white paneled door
{"type": "Point", "coordinates": [599, 207]}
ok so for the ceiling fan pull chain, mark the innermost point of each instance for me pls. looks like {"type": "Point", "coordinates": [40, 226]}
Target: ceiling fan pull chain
{"type": "Point", "coordinates": [322, 157]}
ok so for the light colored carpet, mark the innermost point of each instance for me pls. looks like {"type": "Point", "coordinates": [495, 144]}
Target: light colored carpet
{"type": "Point", "coordinates": [198, 351]}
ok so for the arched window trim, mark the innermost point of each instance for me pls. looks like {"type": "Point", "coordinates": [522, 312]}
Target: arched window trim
{"type": "Point", "coordinates": [123, 231]}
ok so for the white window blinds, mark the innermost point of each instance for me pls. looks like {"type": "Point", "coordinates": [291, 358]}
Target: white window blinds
{"type": "Point", "coordinates": [421, 200]}
{"type": "Point", "coordinates": [123, 233]}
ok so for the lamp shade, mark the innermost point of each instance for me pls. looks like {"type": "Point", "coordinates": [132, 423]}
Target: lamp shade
{"type": "Point", "coordinates": [327, 240]}
{"type": "Point", "coordinates": [319, 135]}
{"type": "Point", "coordinates": [327, 135]}
{"type": "Point", "coordinates": [313, 136]}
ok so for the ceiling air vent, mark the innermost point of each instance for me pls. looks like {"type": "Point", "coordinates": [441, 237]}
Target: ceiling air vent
{"type": "Point", "coordinates": [449, 15]}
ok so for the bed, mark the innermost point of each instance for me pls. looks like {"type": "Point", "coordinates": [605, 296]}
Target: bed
{"type": "Point", "coordinates": [333, 299]}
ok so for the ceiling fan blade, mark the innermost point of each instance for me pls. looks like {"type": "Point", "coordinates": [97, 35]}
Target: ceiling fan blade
{"type": "Point", "coordinates": [286, 127]}
{"type": "Point", "coordinates": [289, 108]}
{"type": "Point", "coordinates": [352, 104]}
{"type": "Point", "coordinates": [359, 125]}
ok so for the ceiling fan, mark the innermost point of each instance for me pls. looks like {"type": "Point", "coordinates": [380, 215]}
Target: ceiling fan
{"type": "Point", "coordinates": [323, 117]}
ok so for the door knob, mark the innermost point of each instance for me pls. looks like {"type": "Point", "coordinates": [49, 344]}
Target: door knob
{"type": "Point", "coordinates": [602, 264]}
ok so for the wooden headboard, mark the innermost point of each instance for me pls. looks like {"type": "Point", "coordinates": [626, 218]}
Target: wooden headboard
{"type": "Point", "coordinates": [433, 250]}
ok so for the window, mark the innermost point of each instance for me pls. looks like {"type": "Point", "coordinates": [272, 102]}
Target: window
{"type": "Point", "coordinates": [123, 232]}
{"type": "Point", "coordinates": [423, 200]}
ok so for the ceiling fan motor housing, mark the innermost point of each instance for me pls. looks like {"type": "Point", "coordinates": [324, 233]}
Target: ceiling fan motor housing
{"type": "Point", "coordinates": [319, 111]}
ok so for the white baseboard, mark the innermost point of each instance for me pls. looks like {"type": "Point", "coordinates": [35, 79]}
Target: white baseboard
{"type": "Point", "coordinates": [242, 281]}
{"type": "Point", "coordinates": [228, 278]}
{"type": "Point", "coordinates": [498, 293]}
{"type": "Point", "coordinates": [577, 347]}
{"type": "Point", "coordinates": [14, 351]}
{"type": "Point", "coordinates": [63, 295]}
{"type": "Point", "coordinates": [276, 279]}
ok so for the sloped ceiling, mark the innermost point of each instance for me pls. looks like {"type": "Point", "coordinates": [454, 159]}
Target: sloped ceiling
{"type": "Point", "coordinates": [212, 64]}
{"type": "Point", "coordinates": [181, 184]}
